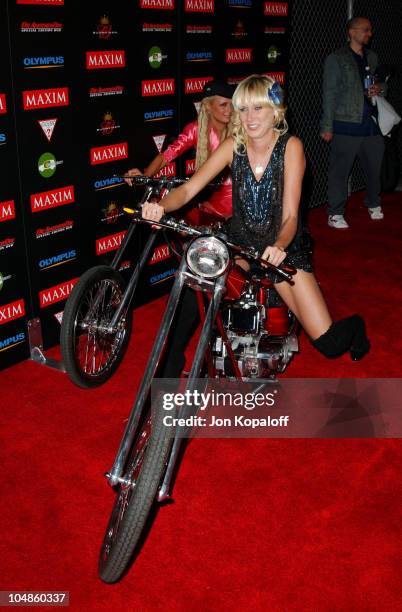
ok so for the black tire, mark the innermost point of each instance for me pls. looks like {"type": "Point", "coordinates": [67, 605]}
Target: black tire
{"type": "Point", "coordinates": [135, 499]}
{"type": "Point", "coordinates": [90, 354]}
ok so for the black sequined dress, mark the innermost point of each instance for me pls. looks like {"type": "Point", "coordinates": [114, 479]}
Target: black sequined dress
{"type": "Point", "coordinates": [257, 208]}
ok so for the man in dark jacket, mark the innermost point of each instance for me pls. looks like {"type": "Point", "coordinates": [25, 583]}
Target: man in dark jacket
{"type": "Point", "coordinates": [349, 121]}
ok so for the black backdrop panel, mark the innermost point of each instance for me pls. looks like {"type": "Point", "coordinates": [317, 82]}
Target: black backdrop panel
{"type": "Point", "coordinates": [97, 91]}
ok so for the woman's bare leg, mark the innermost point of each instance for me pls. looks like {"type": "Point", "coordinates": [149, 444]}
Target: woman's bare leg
{"type": "Point", "coordinates": [306, 301]}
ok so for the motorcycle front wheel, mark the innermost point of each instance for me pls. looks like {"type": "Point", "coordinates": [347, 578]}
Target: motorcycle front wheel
{"type": "Point", "coordinates": [92, 352]}
{"type": "Point", "coordinates": [135, 498]}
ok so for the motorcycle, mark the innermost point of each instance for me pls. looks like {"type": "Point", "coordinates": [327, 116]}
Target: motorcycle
{"type": "Point", "coordinates": [244, 337]}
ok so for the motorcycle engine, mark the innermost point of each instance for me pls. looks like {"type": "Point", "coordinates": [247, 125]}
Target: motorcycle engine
{"type": "Point", "coordinates": [258, 353]}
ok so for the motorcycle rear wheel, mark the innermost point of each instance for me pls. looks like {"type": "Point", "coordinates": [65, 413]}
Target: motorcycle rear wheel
{"type": "Point", "coordinates": [135, 498]}
{"type": "Point", "coordinates": [91, 353]}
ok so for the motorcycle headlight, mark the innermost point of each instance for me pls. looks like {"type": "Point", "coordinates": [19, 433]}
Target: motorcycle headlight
{"type": "Point", "coordinates": [208, 257]}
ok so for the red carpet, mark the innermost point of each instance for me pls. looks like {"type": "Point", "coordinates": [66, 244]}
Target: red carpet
{"type": "Point", "coordinates": [256, 524]}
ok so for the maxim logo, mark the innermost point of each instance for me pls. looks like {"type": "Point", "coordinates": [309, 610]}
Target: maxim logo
{"type": "Point", "coordinates": [103, 155]}
{"type": "Point", "coordinates": [11, 311]}
{"type": "Point", "coordinates": [45, 98]}
{"type": "Point", "coordinates": [105, 59]}
{"type": "Point", "coordinates": [160, 254]}
{"type": "Point", "coordinates": [190, 166]}
{"type": "Point", "coordinates": [276, 9]}
{"type": "Point", "coordinates": [157, 4]}
{"type": "Point", "coordinates": [57, 293]}
{"type": "Point", "coordinates": [277, 76]}
{"type": "Point", "coordinates": [34, 27]}
{"type": "Point", "coordinates": [12, 341]}
{"type": "Point", "coordinates": [168, 170]}
{"type": "Point", "coordinates": [54, 229]}
{"type": "Point", "coordinates": [52, 199]}
{"type": "Point", "coordinates": [195, 85]}
{"type": "Point", "coordinates": [160, 87]}
{"type": "Point", "coordinates": [238, 56]}
{"type": "Point", "coordinates": [7, 210]}
{"type": "Point", "coordinates": [3, 105]}
{"type": "Point", "coordinates": [109, 243]}
{"type": "Point", "coordinates": [199, 6]}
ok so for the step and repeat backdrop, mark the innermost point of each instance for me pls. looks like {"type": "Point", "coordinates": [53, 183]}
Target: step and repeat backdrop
{"type": "Point", "coordinates": [88, 91]}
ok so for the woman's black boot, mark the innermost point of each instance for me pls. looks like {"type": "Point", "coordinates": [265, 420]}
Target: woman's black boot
{"type": "Point", "coordinates": [345, 335]}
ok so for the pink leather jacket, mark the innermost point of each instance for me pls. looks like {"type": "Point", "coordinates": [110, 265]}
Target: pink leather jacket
{"type": "Point", "coordinates": [220, 200]}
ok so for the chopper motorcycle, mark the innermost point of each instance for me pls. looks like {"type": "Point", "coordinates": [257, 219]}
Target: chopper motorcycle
{"type": "Point", "coordinates": [243, 337]}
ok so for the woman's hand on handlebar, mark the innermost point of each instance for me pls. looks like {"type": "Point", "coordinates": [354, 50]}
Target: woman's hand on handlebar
{"type": "Point", "coordinates": [152, 211]}
{"type": "Point", "coordinates": [274, 255]}
{"type": "Point", "coordinates": [133, 172]}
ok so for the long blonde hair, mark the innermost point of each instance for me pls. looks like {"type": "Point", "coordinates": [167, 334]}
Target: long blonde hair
{"type": "Point", "coordinates": [254, 90]}
{"type": "Point", "coordinates": [203, 148]}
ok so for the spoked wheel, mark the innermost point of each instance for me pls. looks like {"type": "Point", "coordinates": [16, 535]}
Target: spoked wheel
{"type": "Point", "coordinates": [135, 498]}
{"type": "Point", "coordinates": [91, 351]}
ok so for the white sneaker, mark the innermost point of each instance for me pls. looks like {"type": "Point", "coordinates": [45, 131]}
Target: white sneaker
{"type": "Point", "coordinates": [376, 213]}
{"type": "Point", "coordinates": [337, 221]}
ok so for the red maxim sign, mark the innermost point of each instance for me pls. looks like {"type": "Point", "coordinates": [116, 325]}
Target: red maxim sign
{"type": "Point", "coordinates": [56, 293]}
{"type": "Point", "coordinates": [199, 6]}
{"type": "Point", "coordinates": [52, 199]}
{"type": "Point", "coordinates": [237, 56]}
{"type": "Point", "coordinates": [277, 76]}
{"type": "Point", "coordinates": [276, 9]}
{"type": "Point", "coordinates": [160, 87]}
{"type": "Point", "coordinates": [109, 243]}
{"type": "Point", "coordinates": [11, 311]}
{"type": "Point", "coordinates": [44, 98]}
{"type": "Point", "coordinates": [168, 170]}
{"type": "Point", "coordinates": [160, 254]}
{"type": "Point", "coordinates": [105, 59]}
{"type": "Point", "coordinates": [190, 166]}
{"type": "Point", "coordinates": [3, 104]}
{"type": "Point", "coordinates": [195, 85]}
{"type": "Point", "coordinates": [157, 4]}
{"type": "Point", "coordinates": [7, 210]}
{"type": "Point", "coordinates": [108, 153]}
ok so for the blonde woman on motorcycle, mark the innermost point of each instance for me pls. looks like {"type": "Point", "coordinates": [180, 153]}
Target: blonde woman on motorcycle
{"type": "Point", "coordinates": [267, 166]}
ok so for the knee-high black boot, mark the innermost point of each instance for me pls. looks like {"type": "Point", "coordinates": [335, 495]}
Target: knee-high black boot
{"type": "Point", "coordinates": [345, 335]}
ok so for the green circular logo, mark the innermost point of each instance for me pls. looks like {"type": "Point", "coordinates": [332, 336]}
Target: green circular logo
{"type": "Point", "coordinates": [155, 57]}
{"type": "Point", "coordinates": [272, 54]}
{"type": "Point", "coordinates": [47, 165]}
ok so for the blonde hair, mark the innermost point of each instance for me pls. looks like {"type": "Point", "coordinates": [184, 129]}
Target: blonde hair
{"type": "Point", "coordinates": [254, 90]}
{"type": "Point", "coordinates": [203, 148]}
